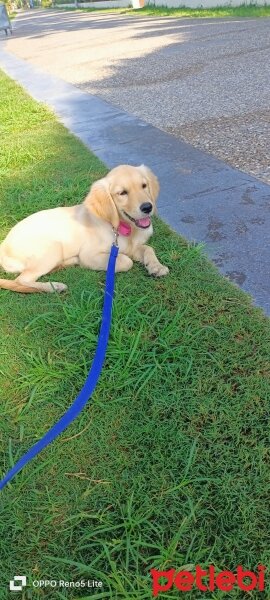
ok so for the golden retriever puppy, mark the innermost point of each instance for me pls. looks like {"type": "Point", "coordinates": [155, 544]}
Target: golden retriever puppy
{"type": "Point", "coordinates": [123, 201]}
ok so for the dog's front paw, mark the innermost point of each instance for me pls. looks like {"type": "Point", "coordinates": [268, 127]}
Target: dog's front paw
{"type": "Point", "coordinates": [158, 270]}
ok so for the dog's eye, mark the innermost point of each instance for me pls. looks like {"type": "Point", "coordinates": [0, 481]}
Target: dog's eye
{"type": "Point", "coordinates": [144, 185]}
{"type": "Point", "coordinates": [123, 193]}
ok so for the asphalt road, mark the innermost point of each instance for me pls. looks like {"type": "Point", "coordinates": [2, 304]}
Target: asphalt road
{"type": "Point", "coordinates": [204, 80]}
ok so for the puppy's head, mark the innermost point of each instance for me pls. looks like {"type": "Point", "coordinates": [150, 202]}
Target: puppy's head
{"type": "Point", "coordinates": [127, 193]}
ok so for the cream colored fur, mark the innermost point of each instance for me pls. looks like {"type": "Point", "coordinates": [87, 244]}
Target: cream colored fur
{"type": "Point", "coordinates": [51, 239]}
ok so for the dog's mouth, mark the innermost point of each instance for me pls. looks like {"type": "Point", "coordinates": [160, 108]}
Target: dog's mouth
{"type": "Point", "coordinates": [143, 223]}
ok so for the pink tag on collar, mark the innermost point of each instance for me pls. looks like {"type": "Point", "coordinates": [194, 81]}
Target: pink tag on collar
{"type": "Point", "coordinates": [124, 228]}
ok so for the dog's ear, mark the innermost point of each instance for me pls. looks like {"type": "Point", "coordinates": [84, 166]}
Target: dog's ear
{"type": "Point", "coordinates": [101, 204]}
{"type": "Point", "coordinates": [152, 181]}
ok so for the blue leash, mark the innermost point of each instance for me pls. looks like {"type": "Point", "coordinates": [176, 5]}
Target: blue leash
{"type": "Point", "coordinates": [90, 382]}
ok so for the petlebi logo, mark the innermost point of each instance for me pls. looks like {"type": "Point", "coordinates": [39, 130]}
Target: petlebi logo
{"type": "Point", "coordinates": [17, 583]}
{"type": "Point", "coordinates": [208, 579]}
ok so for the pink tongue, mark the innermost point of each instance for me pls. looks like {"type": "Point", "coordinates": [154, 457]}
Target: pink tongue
{"type": "Point", "coordinates": [145, 222]}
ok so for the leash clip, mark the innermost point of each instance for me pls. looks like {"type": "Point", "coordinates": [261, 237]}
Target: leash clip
{"type": "Point", "coordinates": [116, 235]}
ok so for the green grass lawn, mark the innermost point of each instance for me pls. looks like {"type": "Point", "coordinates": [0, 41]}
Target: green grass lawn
{"type": "Point", "coordinates": [169, 465]}
{"type": "Point", "coordinates": [244, 10]}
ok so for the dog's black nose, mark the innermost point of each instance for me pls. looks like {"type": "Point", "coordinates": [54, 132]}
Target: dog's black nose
{"type": "Point", "coordinates": [146, 207]}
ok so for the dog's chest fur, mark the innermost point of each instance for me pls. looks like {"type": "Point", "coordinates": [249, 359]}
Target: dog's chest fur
{"type": "Point", "coordinates": [138, 237]}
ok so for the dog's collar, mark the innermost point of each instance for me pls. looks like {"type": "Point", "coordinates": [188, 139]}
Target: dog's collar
{"type": "Point", "coordinates": [124, 228]}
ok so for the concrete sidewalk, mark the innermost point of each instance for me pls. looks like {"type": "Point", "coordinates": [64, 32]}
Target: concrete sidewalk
{"type": "Point", "coordinates": [201, 197]}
